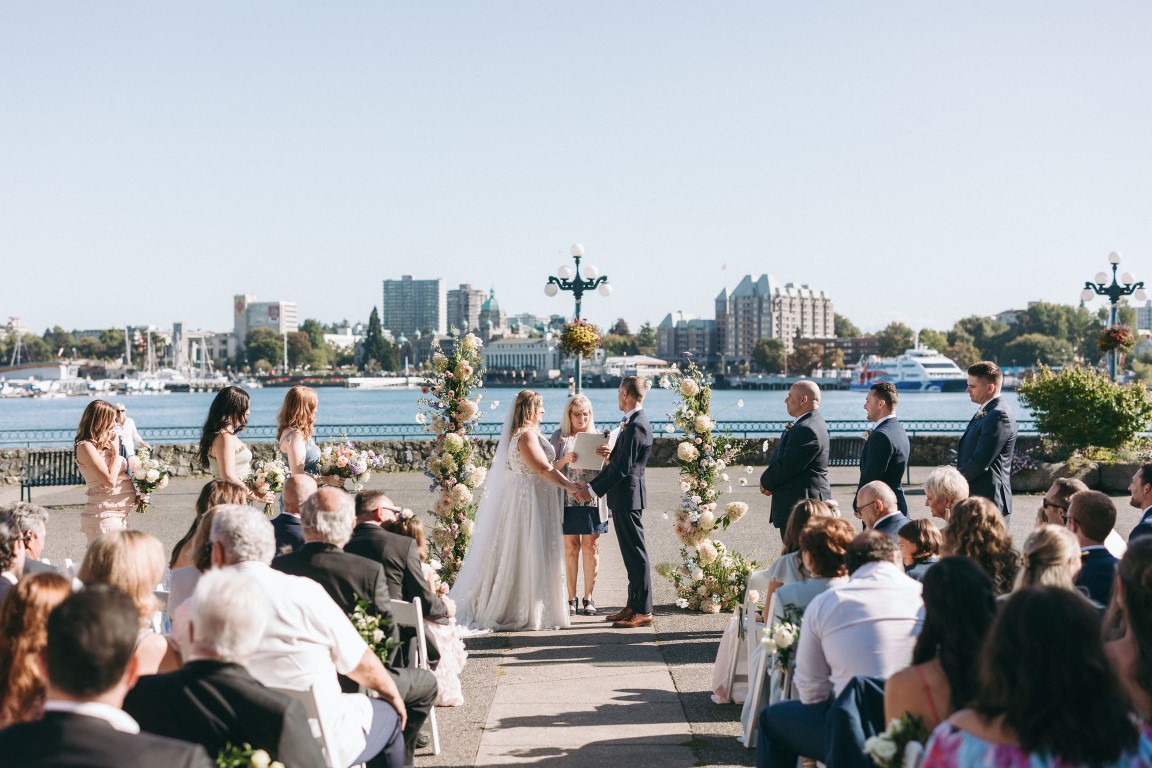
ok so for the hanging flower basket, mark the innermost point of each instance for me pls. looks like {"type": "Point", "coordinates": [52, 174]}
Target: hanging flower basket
{"type": "Point", "coordinates": [579, 338]}
{"type": "Point", "coordinates": [1116, 337]}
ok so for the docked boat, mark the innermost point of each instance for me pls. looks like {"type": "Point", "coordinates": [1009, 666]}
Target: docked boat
{"type": "Point", "coordinates": [917, 370]}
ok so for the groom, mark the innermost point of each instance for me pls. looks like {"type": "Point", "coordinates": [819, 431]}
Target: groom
{"type": "Point", "coordinates": [622, 482]}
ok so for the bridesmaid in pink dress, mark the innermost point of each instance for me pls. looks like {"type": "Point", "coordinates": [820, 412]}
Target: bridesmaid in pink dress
{"type": "Point", "coordinates": [105, 471]}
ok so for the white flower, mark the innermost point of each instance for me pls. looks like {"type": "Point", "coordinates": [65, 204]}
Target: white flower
{"type": "Point", "coordinates": [687, 452]}
{"type": "Point", "coordinates": [734, 510]}
{"type": "Point", "coordinates": [747, 470]}
{"type": "Point", "coordinates": [434, 564]}
{"type": "Point", "coordinates": [707, 552]}
{"type": "Point", "coordinates": [721, 465]}
{"type": "Point", "coordinates": [724, 476]}
{"type": "Point", "coordinates": [460, 495]}
{"type": "Point", "coordinates": [689, 388]}
{"type": "Point", "coordinates": [783, 635]}
{"type": "Point", "coordinates": [421, 418]}
{"type": "Point", "coordinates": [684, 487]}
{"type": "Point", "coordinates": [710, 606]}
{"type": "Point", "coordinates": [467, 527]}
{"type": "Point", "coordinates": [377, 635]}
{"type": "Point", "coordinates": [152, 476]}
{"type": "Point", "coordinates": [682, 602]}
{"type": "Point", "coordinates": [764, 447]}
{"type": "Point", "coordinates": [261, 759]}
{"type": "Point", "coordinates": [707, 520]}
{"type": "Point", "coordinates": [697, 574]}
{"type": "Point", "coordinates": [453, 442]}
{"type": "Point", "coordinates": [753, 596]}
{"type": "Point", "coordinates": [767, 644]}
{"type": "Point", "coordinates": [139, 474]}
{"type": "Point", "coordinates": [739, 403]}
{"type": "Point", "coordinates": [743, 481]}
{"type": "Point", "coordinates": [883, 748]}
{"type": "Point", "coordinates": [702, 423]}
{"type": "Point", "coordinates": [669, 429]}
{"type": "Point", "coordinates": [477, 477]}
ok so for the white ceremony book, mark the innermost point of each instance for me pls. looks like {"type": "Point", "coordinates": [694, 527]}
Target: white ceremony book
{"type": "Point", "coordinates": [585, 450]}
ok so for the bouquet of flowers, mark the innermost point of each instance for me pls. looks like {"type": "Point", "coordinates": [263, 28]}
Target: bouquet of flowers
{"type": "Point", "coordinates": [268, 475]}
{"type": "Point", "coordinates": [232, 756]}
{"type": "Point", "coordinates": [579, 338]}
{"type": "Point", "coordinates": [376, 630]}
{"type": "Point", "coordinates": [345, 460]}
{"type": "Point", "coordinates": [1118, 337]}
{"type": "Point", "coordinates": [904, 734]}
{"type": "Point", "coordinates": [783, 637]}
{"type": "Point", "coordinates": [148, 474]}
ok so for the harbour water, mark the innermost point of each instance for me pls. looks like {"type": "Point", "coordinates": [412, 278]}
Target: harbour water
{"type": "Point", "coordinates": [340, 407]}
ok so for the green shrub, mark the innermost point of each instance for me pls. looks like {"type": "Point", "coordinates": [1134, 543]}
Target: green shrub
{"type": "Point", "coordinates": [1080, 408]}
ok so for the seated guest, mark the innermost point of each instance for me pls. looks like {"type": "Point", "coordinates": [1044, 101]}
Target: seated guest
{"type": "Point", "coordinates": [1129, 647]}
{"type": "Point", "coordinates": [32, 521]}
{"type": "Point", "coordinates": [1050, 558]}
{"type": "Point", "coordinates": [976, 530]}
{"type": "Point", "coordinates": [866, 627]}
{"type": "Point", "coordinates": [133, 562]}
{"type": "Point", "coordinates": [876, 506]}
{"type": "Point", "coordinates": [289, 537]}
{"type": "Point", "coordinates": [1054, 510]}
{"type": "Point", "coordinates": [12, 554]}
{"type": "Point", "coordinates": [308, 641]}
{"type": "Point", "coordinates": [1091, 516]}
{"type": "Point", "coordinates": [212, 700]}
{"type": "Point", "coordinates": [216, 492]}
{"type": "Point", "coordinates": [1045, 694]}
{"type": "Point", "coordinates": [23, 632]}
{"type": "Point", "coordinates": [1141, 490]}
{"type": "Point", "coordinates": [944, 487]}
{"type": "Point", "coordinates": [958, 610]}
{"type": "Point", "coordinates": [919, 542]}
{"type": "Point", "coordinates": [89, 658]}
{"type": "Point", "coordinates": [789, 568]}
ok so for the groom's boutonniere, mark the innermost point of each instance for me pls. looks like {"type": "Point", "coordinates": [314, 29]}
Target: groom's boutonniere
{"type": "Point", "coordinates": [790, 425]}
{"type": "Point", "coordinates": [981, 413]}
{"type": "Point", "coordinates": [867, 434]}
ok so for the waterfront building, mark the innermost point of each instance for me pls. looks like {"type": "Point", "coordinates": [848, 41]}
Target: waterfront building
{"type": "Point", "coordinates": [414, 306]}
{"type": "Point", "coordinates": [198, 350]}
{"type": "Point", "coordinates": [348, 336]}
{"type": "Point", "coordinates": [619, 366]}
{"type": "Point", "coordinates": [464, 305]}
{"type": "Point", "coordinates": [853, 348]}
{"type": "Point", "coordinates": [249, 314]}
{"type": "Point", "coordinates": [765, 309]}
{"type": "Point", "coordinates": [679, 333]}
{"type": "Point", "coordinates": [540, 355]}
{"type": "Point", "coordinates": [492, 321]}
{"type": "Point", "coordinates": [1144, 316]}
{"type": "Point", "coordinates": [524, 324]}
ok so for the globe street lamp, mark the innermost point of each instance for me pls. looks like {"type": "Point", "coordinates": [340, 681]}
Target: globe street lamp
{"type": "Point", "coordinates": [577, 281]}
{"type": "Point", "coordinates": [1126, 286]}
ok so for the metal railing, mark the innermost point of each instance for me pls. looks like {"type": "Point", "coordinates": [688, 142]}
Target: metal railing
{"type": "Point", "coordinates": [27, 438]}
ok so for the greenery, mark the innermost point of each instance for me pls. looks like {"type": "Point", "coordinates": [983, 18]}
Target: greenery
{"type": "Point", "coordinates": [579, 338]}
{"type": "Point", "coordinates": [1078, 408]}
{"type": "Point", "coordinates": [895, 339]}
{"type": "Point", "coordinates": [770, 355]}
{"type": "Point", "coordinates": [263, 345]}
{"type": "Point", "coordinates": [806, 357]}
{"type": "Point", "coordinates": [233, 756]}
{"type": "Point", "coordinates": [379, 354]}
{"type": "Point", "coordinates": [843, 328]}
{"type": "Point", "coordinates": [1032, 348]}
{"type": "Point", "coordinates": [646, 339]}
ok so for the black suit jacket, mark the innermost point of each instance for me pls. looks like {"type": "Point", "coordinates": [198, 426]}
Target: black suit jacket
{"type": "Point", "coordinates": [984, 455]}
{"type": "Point", "coordinates": [892, 524]}
{"type": "Point", "coordinates": [1097, 568]}
{"type": "Point", "coordinates": [885, 457]}
{"type": "Point", "coordinates": [621, 481]}
{"type": "Point", "coordinates": [289, 533]}
{"type": "Point", "coordinates": [799, 467]}
{"type": "Point", "coordinates": [401, 560]}
{"type": "Point", "coordinates": [1143, 528]}
{"type": "Point", "coordinates": [212, 703]}
{"type": "Point", "coordinates": [64, 740]}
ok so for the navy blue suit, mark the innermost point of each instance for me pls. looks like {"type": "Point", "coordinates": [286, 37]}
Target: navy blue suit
{"type": "Point", "coordinates": [1098, 567]}
{"type": "Point", "coordinates": [799, 467]}
{"type": "Point", "coordinates": [621, 482]}
{"type": "Point", "coordinates": [984, 455]}
{"type": "Point", "coordinates": [1143, 528]}
{"type": "Point", "coordinates": [885, 457]}
{"type": "Point", "coordinates": [892, 524]}
{"type": "Point", "coordinates": [289, 534]}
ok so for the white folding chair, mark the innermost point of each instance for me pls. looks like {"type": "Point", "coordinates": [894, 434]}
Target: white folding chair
{"type": "Point", "coordinates": [753, 703]}
{"type": "Point", "coordinates": [410, 614]}
{"type": "Point", "coordinates": [737, 668]}
{"type": "Point", "coordinates": [324, 735]}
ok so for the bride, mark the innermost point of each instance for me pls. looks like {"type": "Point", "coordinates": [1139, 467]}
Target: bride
{"type": "Point", "coordinates": [513, 575]}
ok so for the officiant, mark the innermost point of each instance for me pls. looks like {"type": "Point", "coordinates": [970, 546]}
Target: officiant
{"type": "Point", "coordinates": [583, 521]}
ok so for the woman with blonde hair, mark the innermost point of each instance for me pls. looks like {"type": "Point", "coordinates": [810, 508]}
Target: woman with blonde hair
{"type": "Point", "coordinates": [513, 575]}
{"type": "Point", "coordinates": [944, 487]}
{"type": "Point", "coordinates": [976, 530]}
{"type": "Point", "coordinates": [23, 635]}
{"type": "Point", "coordinates": [133, 562]}
{"type": "Point", "coordinates": [109, 489]}
{"type": "Point", "coordinates": [1050, 558]}
{"type": "Point", "coordinates": [584, 522]}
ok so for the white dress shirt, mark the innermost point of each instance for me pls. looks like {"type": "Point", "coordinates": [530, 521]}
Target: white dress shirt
{"type": "Point", "coordinates": [117, 718]}
{"type": "Point", "coordinates": [867, 626]}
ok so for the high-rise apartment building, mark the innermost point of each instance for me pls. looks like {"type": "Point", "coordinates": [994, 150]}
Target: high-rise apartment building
{"type": "Point", "coordinates": [679, 333]}
{"type": "Point", "coordinates": [464, 305]}
{"type": "Point", "coordinates": [765, 309]}
{"type": "Point", "coordinates": [249, 314]}
{"type": "Point", "coordinates": [414, 306]}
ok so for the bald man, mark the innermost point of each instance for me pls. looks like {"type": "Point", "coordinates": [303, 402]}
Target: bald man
{"type": "Point", "coordinates": [289, 535]}
{"type": "Point", "coordinates": [799, 467]}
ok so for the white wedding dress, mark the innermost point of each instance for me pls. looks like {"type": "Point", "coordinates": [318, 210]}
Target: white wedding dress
{"type": "Point", "coordinates": [512, 577]}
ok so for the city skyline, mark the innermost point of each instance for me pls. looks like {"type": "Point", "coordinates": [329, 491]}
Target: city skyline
{"type": "Point", "coordinates": [917, 162]}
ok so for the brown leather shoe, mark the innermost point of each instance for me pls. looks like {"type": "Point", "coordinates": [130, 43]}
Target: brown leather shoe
{"type": "Point", "coordinates": [623, 615]}
{"type": "Point", "coordinates": [637, 620]}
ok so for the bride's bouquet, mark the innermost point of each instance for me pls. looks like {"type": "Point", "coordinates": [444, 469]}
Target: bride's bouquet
{"type": "Point", "coordinates": [268, 475]}
{"type": "Point", "coordinates": [148, 474]}
{"type": "Point", "coordinates": [345, 460]}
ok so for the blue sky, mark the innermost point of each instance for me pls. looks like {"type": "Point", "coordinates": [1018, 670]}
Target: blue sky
{"type": "Point", "coordinates": [918, 161]}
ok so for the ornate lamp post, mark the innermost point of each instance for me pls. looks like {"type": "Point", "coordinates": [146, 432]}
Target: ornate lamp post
{"type": "Point", "coordinates": [577, 281]}
{"type": "Point", "coordinates": [1126, 286]}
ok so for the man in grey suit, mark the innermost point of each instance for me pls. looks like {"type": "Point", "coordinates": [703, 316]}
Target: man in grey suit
{"type": "Point", "coordinates": [799, 467]}
{"type": "Point", "coordinates": [984, 455]}
{"type": "Point", "coordinates": [885, 453]}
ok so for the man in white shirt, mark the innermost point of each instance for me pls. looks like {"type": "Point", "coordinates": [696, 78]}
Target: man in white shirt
{"type": "Point", "coordinates": [126, 429]}
{"type": "Point", "coordinates": [308, 641]}
{"type": "Point", "coordinates": [866, 627]}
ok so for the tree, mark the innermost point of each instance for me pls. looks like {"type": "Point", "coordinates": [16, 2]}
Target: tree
{"type": "Point", "coordinates": [1105, 415]}
{"type": "Point", "coordinates": [934, 339]}
{"type": "Point", "coordinates": [963, 354]}
{"type": "Point", "coordinates": [986, 334]}
{"type": "Point", "coordinates": [263, 344]}
{"type": "Point", "coordinates": [299, 346]}
{"type": "Point", "coordinates": [894, 339]}
{"type": "Point", "coordinates": [620, 328]}
{"type": "Point", "coordinates": [843, 328]}
{"type": "Point", "coordinates": [1032, 348]}
{"type": "Point", "coordinates": [375, 346]}
{"type": "Point", "coordinates": [770, 355]}
{"type": "Point", "coordinates": [615, 344]}
{"type": "Point", "coordinates": [806, 357]}
{"type": "Point", "coordinates": [315, 331]}
{"type": "Point", "coordinates": [646, 339]}
{"type": "Point", "coordinates": [833, 359]}
{"type": "Point", "coordinates": [1125, 315]}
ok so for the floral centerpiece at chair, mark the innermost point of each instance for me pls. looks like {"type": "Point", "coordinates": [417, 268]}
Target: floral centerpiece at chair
{"type": "Point", "coordinates": [710, 578]}
{"type": "Point", "coordinates": [451, 413]}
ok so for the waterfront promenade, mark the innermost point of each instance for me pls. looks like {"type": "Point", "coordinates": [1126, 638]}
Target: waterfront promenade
{"type": "Point", "coordinates": [589, 695]}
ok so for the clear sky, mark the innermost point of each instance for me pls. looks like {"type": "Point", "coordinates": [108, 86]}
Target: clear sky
{"type": "Point", "coordinates": [917, 161]}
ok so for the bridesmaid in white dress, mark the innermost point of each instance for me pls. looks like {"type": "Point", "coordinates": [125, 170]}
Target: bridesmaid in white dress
{"type": "Point", "coordinates": [513, 575]}
{"type": "Point", "coordinates": [221, 451]}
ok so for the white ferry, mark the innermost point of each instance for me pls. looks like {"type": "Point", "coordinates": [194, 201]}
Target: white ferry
{"type": "Point", "coordinates": [917, 370]}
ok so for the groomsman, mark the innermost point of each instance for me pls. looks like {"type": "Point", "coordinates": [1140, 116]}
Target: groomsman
{"type": "Point", "coordinates": [622, 482]}
{"type": "Point", "coordinates": [885, 454]}
{"type": "Point", "coordinates": [799, 467]}
{"type": "Point", "coordinates": [984, 456]}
